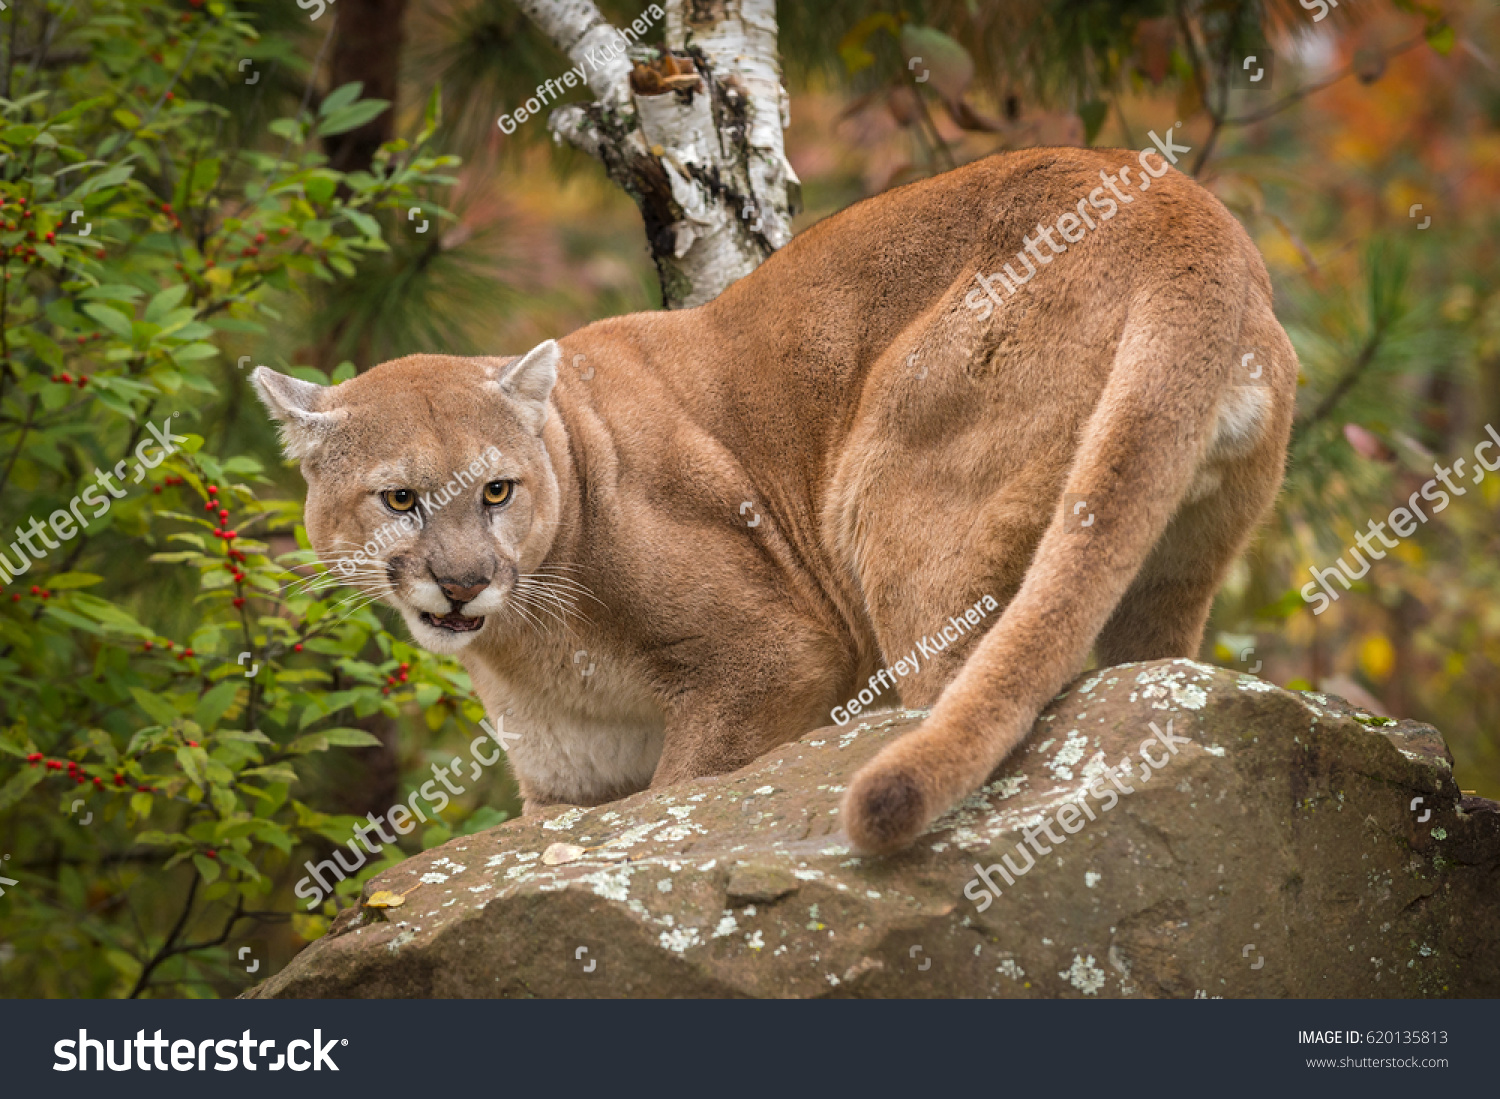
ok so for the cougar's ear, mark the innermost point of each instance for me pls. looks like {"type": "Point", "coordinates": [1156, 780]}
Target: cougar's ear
{"type": "Point", "coordinates": [529, 380]}
{"type": "Point", "coordinates": [295, 404]}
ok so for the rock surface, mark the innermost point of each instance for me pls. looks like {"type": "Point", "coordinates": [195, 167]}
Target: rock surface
{"type": "Point", "coordinates": [1275, 853]}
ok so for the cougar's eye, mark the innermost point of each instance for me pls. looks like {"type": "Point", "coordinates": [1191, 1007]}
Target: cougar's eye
{"type": "Point", "coordinates": [497, 493]}
{"type": "Point", "coordinates": [399, 499]}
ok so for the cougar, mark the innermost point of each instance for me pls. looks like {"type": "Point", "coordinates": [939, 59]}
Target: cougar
{"type": "Point", "coordinates": [707, 529]}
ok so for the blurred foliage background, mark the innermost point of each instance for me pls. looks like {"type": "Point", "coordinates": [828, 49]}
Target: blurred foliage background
{"type": "Point", "coordinates": [320, 195]}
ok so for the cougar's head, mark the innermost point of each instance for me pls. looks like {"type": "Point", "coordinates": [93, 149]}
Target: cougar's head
{"type": "Point", "coordinates": [427, 481]}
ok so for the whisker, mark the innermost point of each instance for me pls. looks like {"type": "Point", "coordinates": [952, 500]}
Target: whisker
{"type": "Point", "coordinates": [521, 595]}
{"type": "Point", "coordinates": [534, 590]}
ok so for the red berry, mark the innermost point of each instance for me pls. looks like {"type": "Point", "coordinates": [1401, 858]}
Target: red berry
{"type": "Point", "coordinates": [223, 514]}
{"type": "Point", "coordinates": [385, 690]}
{"type": "Point", "coordinates": [144, 789]}
{"type": "Point", "coordinates": [83, 339]}
{"type": "Point", "coordinates": [33, 757]}
{"type": "Point", "coordinates": [15, 597]}
{"type": "Point", "coordinates": [51, 237]}
{"type": "Point", "coordinates": [192, 744]}
{"type": "Point", "coordinates": [80, 779]}
{"type": "Point", "coordinates": [83, 380]}
{"type": "Point", "coordinates": [208, 505]}
{"type": "Point", "coordinates": [239, 601]}
{"type": "Point", "coordinates": [239, 577]}
{"type": "Point", "coordinates": [187, 652]}
{"type": "Point", "coordinates": [260, 238]}
{"type": "Point", "coordinates": [98, 782]}
{"type": "Point", "coordinates": [148, 646]}
{"type": "Point", "coordinates": [211, 853]}
{"type": "Point", "coordinates": [181, 655]}
{"type": "Point", "coordinates": [403, 677]}
{"type": "Point", "coordinates": [35, 590]}
{"type": "Point", "coordinates": [119, 779]}
{"type": "Point", "coordinates": [99, 254]}
{"type": "Point", "coordinates": [285, 230]}
{"type": "Point", "coordinates": [46, 594]}
{"type": "Point", "coordinates": [156, 489]}
{"type": "Point", "coordinates": [67, 378]}
{"type": "Point", "coordinates": [230, 535]}
{"type": "Point", "coordinates": [170, 644]}
{"type": "Point", "coordinates": [213, 490]}
{"type": "Point", "coordinates": [405, 666]}
{"type": "Point", "coordinates": [297, 648]}
{"type": "Point", "coordinates": [170, 97]}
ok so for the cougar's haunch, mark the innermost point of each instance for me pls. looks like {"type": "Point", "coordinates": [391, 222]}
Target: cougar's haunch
{"type": "Point", "coordinates": [707, 529]}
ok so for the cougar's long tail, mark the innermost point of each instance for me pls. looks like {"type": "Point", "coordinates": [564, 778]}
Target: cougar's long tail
{"type": "Point", "coordinates": [1134, 464]}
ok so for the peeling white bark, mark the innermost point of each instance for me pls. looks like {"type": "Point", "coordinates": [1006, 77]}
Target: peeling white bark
{"type": "Point", "coordinates": [706, 165]}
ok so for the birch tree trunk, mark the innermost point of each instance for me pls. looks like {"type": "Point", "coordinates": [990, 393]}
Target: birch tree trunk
{"type": "Point", "coordinates": [693, 134]}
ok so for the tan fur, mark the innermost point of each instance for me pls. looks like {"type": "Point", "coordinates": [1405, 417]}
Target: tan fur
{"type": "Point", "coordinates": [904, 457]}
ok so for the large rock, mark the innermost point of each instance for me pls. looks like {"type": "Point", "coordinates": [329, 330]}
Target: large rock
{"type": "Point", "coordinates": [1276, 853]}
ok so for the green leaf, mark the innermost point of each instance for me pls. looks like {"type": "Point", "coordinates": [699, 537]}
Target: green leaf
{"type": "Point", "coordinates": [214, 702]}
{"type": "Point", "coordinates": [340, 98]}
{"type": "Point", "coordinates": [159, 709]}
{"type": "Point", "coordinates": [164, 302]}
{"type": "Point", "coordinates": [112, 319]}
{"type": "Point", "coordinates": [73, 580]}
{"type": "Point", "coordinates": [348, 118]}
{"type": "Point", "coordinates": [350, 738]}
{"type": "Point", "coordinates": [154, 838]}
{"type": "Point", "coordinates": [111, 291]}
{"type": "Point", "coordinates": [113, 177]}
{"type": "Point", "coordinates": [192, 761]}
{"type": "Point", "coordinates": [276, 772]}
{"type": "Point", "coordinates": [193, 351]}
{"type": "Point", "coordinates": [364, 223]}
{"type": "Point", "coordinates": [1441, 38]}
{"type": "Point", "coordinates": [207, 867]}
{"type": "Point", "coordinates": [14, 790]}
{"type": "Point", "coordinates": [252, 736]}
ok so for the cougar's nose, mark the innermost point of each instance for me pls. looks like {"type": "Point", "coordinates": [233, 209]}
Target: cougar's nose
{"type": "Point", "coordinates": [460, 592]}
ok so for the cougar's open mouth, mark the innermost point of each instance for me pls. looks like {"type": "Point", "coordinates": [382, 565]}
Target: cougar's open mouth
{"type": "Point", "coordinates": [458, 623]}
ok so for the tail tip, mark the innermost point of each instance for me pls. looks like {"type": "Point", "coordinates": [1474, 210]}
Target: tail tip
{"type": "Point", "coordinates": [884, 809]}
